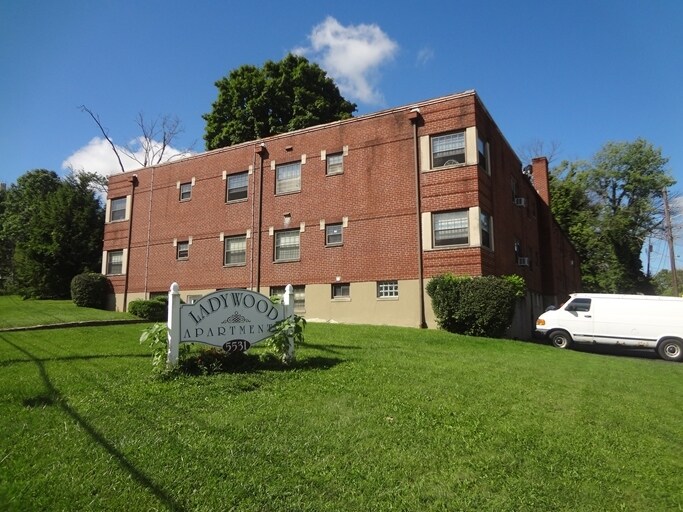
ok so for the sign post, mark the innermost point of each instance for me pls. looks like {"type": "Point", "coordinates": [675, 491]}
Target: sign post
{"type": "Point", "coordinates": [234, 319]}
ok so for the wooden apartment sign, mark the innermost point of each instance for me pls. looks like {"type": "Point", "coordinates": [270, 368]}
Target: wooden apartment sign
{"type": "Point", "coordinates": [230, 315]}
{"type": "Point", "coordinates": [234, 319]}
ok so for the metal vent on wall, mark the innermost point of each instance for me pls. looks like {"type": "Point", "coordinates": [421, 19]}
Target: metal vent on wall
{"type": "Point", "coordinates": [523, 262]}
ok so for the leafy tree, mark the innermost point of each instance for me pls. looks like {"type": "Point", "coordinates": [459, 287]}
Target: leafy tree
{"type": "Point", "coordinates": [608, 207]}
{"type": "Point", "coordinates": [277, 98]}
{"type": "Point", "coordinates": [6, 248]}
{"type": "Point", "coordinates": [18, 204]}
{"type": "Point", "coordinates": [662, 281]}
{"type": "Point", "coordinates": [56, 227]}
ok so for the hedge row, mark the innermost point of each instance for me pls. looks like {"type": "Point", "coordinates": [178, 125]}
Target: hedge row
{"type": "Point", "coordinates": [476, 306]}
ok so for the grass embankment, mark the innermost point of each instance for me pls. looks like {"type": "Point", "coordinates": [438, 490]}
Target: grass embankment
{"type": "Point", "coordinates": [16, 312]}
{"type": "Point", "coordinates": [370, 418]}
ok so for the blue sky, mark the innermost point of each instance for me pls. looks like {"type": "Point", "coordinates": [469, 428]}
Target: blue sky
{"type": "Point", "coordinates": [577, 73]}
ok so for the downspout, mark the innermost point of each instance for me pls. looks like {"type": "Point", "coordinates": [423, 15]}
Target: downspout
{"type": "Point", "coordinates": [253, 221]}
{"type": "Point", "coordinates": [134, 183]}
{"type": "Point", "coordinates": [263, 153]}
{"type": "Point", "coordinates": [416, 119]}
{"type": "Point", "coordinates": [149, 231]}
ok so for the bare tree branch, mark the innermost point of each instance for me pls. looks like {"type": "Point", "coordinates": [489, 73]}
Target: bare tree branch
{"type": "Point", "coordinates": [537, 148]}
{"type": "Point", "coordinates": [96, 118]}
{"type": "Point", "coordinates": [150, 148]}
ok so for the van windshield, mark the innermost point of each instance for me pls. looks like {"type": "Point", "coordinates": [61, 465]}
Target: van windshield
{"type": "Point", "coordinates": [581, 305]}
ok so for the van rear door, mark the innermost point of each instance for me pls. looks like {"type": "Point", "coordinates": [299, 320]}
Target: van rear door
{"type": "Point", "coordinates": [577, 318]}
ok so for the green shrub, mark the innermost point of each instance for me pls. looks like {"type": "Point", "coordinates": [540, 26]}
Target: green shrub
{"type": "Point", "coordinates": [476, 306]}
{"type": "Point", "coordinates": [153, 310]}
{"type": "Point", "coordinates": [90, 289]}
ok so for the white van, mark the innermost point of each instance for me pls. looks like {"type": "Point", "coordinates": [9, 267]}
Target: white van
{"type": "Point", "coordinates": [629, 320]}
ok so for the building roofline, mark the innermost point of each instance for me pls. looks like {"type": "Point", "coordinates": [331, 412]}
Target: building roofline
{"type": "Point", "coordinates": [310, 129]}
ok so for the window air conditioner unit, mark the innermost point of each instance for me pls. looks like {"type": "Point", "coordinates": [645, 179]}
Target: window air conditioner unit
{"type": "Point", "coordinates": [520, 201]}
{"type": "Point", "coordinates": [523, 262]}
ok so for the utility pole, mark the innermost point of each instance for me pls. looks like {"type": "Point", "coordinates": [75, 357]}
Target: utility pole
{"type": "Point", "coordinates": [670, 240]}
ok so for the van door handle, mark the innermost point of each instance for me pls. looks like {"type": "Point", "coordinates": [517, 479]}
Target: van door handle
{"type": "Point", "coordinates": [588, 316]}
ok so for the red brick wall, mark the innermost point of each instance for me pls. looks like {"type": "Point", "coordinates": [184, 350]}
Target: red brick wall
{"type": "Point", "coordinates": [376, 192]}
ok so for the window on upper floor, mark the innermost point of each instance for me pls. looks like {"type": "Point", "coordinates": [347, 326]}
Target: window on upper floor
{"type": "Point", "coordinates": [117, 209]}
{"type": "Point", "coordinates": [288, 178]}
{"type": "Point", "coordinates": [183, 250]}
{"type": "Point", "coordinates": [186, 191]}
{"type": "Point", "coordinates": [115, 262]}
{"type": "Point", "coordinates": [341, 291]}
{"type": "Point", "coordinates": [287, 245]}
{"type": "Point", "coordinates": [448, 149]}
{"type": "Point", "coordinates": [237, 187]}
{"type": "Point", "coordinates": [335, 164]}
{"type": "Point", "coordinates": [235, 250]}
{"type": "Point", "coordinates": [485, 226]}
{"type": "Point", "coordinates": [450, 228]}
{"type": "Point", "coordinates": [387, 289]}
{"type": "Point", "coordinates": [333, 234]}
{"type": "Point", "coordinates": [483, 152]}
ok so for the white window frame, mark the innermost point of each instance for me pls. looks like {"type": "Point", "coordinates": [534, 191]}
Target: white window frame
{"type": "Point", "coordinates": [110, 263]}
{"type": "Point", "coordinates": [237, 189]}
{"type": "Point", "coordinates": [228, 240]}
{"type": "Point", "coordinates": [184, 248]}
{"type": "Point", "coordinates": [455, 218]}
{"type": "Point", "coordinates": [185, 191]}
{"type": "Point", "coordinates": [340, 291]}
{"type": "Point", "coordinates": [387, 289]}
{"type": "Point", "coordinates": [281, 236]}
{"type": "Point", "coordinates": [452, 146]}
{"type": "Point", "coordinates": [118, 214]}
{"type": "Point", "coordinates": [334, 164]}
{"type": "Point", "coordinates": [288, 178]}
{"type": "Point", "coordinates": [329, 234]}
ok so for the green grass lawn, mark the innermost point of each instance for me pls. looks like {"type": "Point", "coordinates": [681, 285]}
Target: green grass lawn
{"type": "Point", "coordinates": [16, 312]}
{"type": "Point", "coordinates": [369, 419]}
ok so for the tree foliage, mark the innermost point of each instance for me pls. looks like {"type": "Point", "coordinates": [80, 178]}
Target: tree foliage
{"type": "Point", "coordinates": [280, 97]}
{"type": "Point", "coordinates": [54, 228]}
{"type": "Point", "coordinates": [663, 282]}
{"type": "Point", "coordinates": [608, 207]}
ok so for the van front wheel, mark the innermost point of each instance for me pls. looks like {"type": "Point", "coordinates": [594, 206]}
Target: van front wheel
{"type": "Point", "coordinates": [671, 349]}
{"type": "Point", "coordinates": [561, 339]}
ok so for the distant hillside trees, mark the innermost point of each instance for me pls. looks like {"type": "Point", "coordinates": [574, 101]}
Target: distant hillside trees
{"type": "Point", "coordinates": [51, 230]}
{"type": "Point", "coordinates": [279, 97]}
{"type": "Point", "coordinates": [608, 206]}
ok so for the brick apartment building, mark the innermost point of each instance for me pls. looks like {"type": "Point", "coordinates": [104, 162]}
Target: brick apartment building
{"type": "Point", "coordinates": [356, 214]}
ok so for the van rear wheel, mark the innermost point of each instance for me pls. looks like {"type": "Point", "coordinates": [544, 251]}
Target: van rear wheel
{"type": "Point", "coordinates": [561, 339]}
{"type": "Point", "coordinates": [671, 349]}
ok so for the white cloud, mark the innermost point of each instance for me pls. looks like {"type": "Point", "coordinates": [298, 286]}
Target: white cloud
{"type": "Point", "coordinates": [98, 156]}
{"type": "Point", "coordinates": [425, 55]}
{"type": "Point", "coordinates": [352, 56]}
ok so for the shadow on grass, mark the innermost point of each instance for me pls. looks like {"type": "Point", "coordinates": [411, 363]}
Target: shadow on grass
{"type": "Point", "coordinates": [212, 361]}
{"type": "Point", "coordinates": [616, 350]}
{"type": "Point", "coordinates": [9, 362]}
{"type": "Point", "coordinates": [53, 397]}
{"type": "Point", "coordinates": [332, 349]}
{"type": "Point", "coordinates": [605, 350]}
